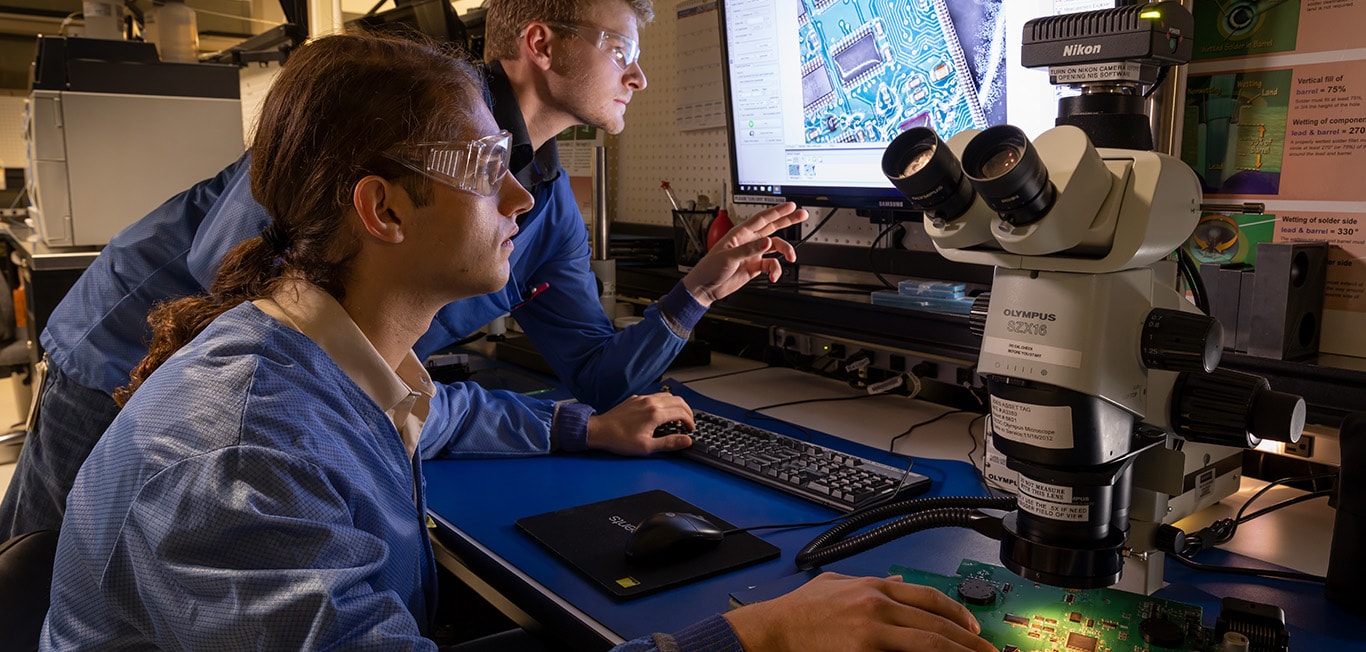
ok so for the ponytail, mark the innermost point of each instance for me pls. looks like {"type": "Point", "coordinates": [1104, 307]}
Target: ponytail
{"type": "Point", "coordinates": [249, 271]}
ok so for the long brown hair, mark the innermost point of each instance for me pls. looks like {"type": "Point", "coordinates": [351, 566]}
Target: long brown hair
{"type": "Point", "coordinates": [334, 109]}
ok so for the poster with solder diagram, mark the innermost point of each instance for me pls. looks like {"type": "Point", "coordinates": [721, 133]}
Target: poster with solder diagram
{"type": "Point", "coordinates": [872, 69]}
{"type": "Point", "coordinates": [1234, 131]}
{"type": "Point", "coordinates": [1238, 28]}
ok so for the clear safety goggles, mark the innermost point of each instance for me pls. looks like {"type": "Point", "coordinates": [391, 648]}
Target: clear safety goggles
{"type": "Point", "coordinates": [622, 50]}
{"type": "Point", "coordinates": [475, 166]}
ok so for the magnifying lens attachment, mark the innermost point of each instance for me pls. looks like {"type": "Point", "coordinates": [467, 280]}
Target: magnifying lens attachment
{"type": "Point", "coordinates": [1006, 171]}
{"type": "Point", "coordinates": [924, 169]}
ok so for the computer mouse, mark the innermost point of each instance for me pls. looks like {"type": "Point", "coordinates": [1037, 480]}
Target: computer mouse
{"type": "Point", "coordinates": [668, 537]}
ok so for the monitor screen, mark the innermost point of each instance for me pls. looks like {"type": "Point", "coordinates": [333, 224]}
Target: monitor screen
{"type": "Point", "coordinates": [815, 89]}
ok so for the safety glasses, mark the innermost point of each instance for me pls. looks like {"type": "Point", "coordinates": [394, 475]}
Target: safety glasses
{"type": "Point", "coordinates": [475, 166]}
{"type": "Point", "coordinates": [622, 50]}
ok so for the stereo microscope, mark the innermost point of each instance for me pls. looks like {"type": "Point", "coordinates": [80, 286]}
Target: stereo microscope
{"type": "Point", "coordinates": [1106, 400]}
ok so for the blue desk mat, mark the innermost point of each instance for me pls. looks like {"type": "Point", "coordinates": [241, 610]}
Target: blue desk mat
{"type": "Point", "coordinates": [482, 498]}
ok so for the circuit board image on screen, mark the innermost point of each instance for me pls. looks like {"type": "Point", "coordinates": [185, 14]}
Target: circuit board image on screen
{"type": "Point", "coordinates": [872, 69]}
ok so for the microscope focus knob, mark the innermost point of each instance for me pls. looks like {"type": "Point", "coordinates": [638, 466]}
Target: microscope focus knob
{"type": "Point", "coordinates": [1232, 408]}
{"type": "Point", "coordinates": [1174, 340]}
{"type": "Point", "coordinates": [977, 315]}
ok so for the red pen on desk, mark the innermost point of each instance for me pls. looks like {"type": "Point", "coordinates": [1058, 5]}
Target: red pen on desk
{"type": "Point", "coordinates": [536, 291]}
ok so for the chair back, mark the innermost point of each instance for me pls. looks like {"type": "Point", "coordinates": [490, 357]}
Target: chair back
{"type": "Point", "coordinates": [25, 587]}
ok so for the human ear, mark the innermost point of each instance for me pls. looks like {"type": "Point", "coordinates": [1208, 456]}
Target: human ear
{"type": "Point", "coordinates": [382, 207]}
{"type": "Point", "coordinates": [537, 42]}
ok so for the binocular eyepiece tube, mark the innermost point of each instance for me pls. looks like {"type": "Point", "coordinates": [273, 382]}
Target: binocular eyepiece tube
{"type": "Point", "coordinates": [999, 164]}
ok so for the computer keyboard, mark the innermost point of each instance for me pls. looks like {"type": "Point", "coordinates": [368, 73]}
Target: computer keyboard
{"type": "Point", "coordinates": [810, 471]}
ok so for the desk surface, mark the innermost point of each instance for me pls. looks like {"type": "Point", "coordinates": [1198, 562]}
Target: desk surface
{"type": "Point", "coordinates": [476, 502]}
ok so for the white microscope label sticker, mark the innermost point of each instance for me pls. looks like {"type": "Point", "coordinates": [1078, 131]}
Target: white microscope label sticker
{"type": "Point", "coordinates": [1094, 72]}
{"type": "Point", "coordinates": [995, 470]}
{"type": "Point", "coordinates": [1031, 351]}
{"type": "Point", "coordinates": [1050, 492]}
{"type": "Point", "coordinates": [1045, 426]}
{"type": "Point", "coordinates": [1055, 511]}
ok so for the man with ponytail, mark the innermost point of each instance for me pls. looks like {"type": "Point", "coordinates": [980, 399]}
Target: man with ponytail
{"type": "Point", "coordinates": [551, 64]}
{"type": "Point", "coordinates": [260, 488]}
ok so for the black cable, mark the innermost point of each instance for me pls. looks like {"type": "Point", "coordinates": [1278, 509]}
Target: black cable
{"type": "Point", "coordinates": [755, 413]}
{"type": "Point", "coordinates": [1157, 82]}
{"type": "Point", "coordinates": [471, 339]}
{"type": "Point", "coordinates": [1311, 477]}
{"type": "Point", "coordinates": [981, 474]}
{"type": "Point", "coordinates": [806, 434]}
{"type": "Point", "coordinates": [1324, 493]}
{"type": "Point", "coordinates": [861, 293]}
{"type": "Point", "coordinates": [1256, 572]}
{"type": "Point", "coordinates": [916, 515]}
{"type": "Point", "coordinates": [1193, 279]}
{"type": "Point", "coordinates": [892, 444]}
{"type": "Point", "coordinates": [815, 228]}
{"type": "Point", "coordinates": [838, 284]}
{"type": "Point", "coordinates": [728, 373]}
{"type": "Point", "coordinates": [1222, 530]}
{"type": "Point", "coordinates": [809, 400]}
{"type": "Point", "coordinates": [872, 255]}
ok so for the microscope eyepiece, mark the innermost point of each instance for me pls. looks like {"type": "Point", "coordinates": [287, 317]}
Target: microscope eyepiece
{"type": "Point", "coordinates": [1001, 160]}
{"type": "Point", "coordinates": [925, 170]}
{"type": "Point", "coordinates": [1006, 171]}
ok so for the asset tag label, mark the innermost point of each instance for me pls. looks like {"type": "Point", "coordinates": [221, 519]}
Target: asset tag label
{"type": "Point", "coordinates": [995, 471]}
{"type": "Point", "coordinates": [1045, 426]}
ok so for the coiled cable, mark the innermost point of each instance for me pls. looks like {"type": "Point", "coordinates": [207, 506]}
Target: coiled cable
{"type": "Point", "coordinates": [916, 515]}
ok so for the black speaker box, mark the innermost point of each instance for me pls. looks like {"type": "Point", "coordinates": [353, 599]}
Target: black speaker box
{"type": "Point", "coordinates": [1287, 302]}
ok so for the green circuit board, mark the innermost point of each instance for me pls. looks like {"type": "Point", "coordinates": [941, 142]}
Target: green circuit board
{"type": "Point", "coordinates": [1018, 615]}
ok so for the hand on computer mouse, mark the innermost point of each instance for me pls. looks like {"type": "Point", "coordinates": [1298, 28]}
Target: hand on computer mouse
{"type": "Point", "coordinates": [838, 612]}
{"type": "Point", "coordinates": [669, 537]}
{"type": "Point", "coordinates": [629, 428]}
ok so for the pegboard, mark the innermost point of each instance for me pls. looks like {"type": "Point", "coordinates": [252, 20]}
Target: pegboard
{"type": "Point", "coordinates": [12, 151]}
{"type": "Point", "coordinates": [652, 149]}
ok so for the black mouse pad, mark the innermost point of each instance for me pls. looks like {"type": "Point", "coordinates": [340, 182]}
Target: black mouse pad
{"type": "Point", "coordinates": [592, 538]}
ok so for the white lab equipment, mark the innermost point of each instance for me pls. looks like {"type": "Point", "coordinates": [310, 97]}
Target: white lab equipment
{"type": "Point", "coordinates": [112, 132]}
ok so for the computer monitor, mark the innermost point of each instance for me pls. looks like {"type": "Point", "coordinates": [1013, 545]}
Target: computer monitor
{"type": "Point", "coordinates": [815, 89]}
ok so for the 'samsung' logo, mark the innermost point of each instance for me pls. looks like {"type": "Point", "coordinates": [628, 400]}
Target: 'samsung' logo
{"type": "Point", "coordinates": [622, 523]}
{"type": "Point", "coordinates": [1078, 49]}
